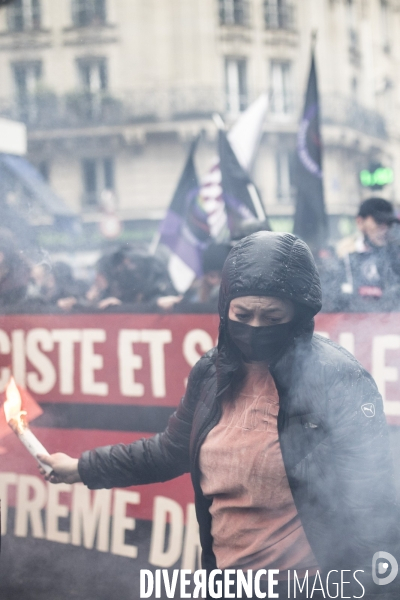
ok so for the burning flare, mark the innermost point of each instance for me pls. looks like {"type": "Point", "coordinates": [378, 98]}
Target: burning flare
{"type": "Point", "coordinates": [15, 416]}
{"type": "Point", "coordinates": [17, 420]}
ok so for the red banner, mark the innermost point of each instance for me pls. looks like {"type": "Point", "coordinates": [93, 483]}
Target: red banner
{"type": "Point", "coordinates": [374, 339]}
{"type": "Point", "coordinates": [144, 360]}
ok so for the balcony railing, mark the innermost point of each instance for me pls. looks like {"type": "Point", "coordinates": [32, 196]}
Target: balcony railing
{"type": "Point", "coordinates": [47, 111]}
{"type": "Point", "coordinates": [278, 15]}
{"type": "Point", "coordinates": [339, 110]}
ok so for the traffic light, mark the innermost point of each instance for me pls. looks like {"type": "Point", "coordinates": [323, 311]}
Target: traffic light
{"type": "Point", "coordinates": [376, 177]}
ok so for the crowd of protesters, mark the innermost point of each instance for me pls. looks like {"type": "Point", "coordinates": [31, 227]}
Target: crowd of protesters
{"type": "Point", "coordinates": [362, 274]}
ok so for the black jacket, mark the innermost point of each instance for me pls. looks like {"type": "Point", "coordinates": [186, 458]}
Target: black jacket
{"type": "Point", "coordinates": [331, 423]}
{"type": "Point", "coordinates": [370, 279]}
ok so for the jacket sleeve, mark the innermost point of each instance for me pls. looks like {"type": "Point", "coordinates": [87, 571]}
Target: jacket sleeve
{"type": "Point", "coordinates": [156, 459]}
{"type": "Point", "coordinates": [365, 490]}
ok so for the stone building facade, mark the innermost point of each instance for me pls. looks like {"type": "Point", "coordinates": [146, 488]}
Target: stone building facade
{"type": "Point", "coordinates": [113, 91]}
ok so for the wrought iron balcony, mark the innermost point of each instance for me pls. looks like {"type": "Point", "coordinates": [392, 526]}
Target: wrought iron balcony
{"type": "Point", "coordinates": [47, 111]}
{"type": "Point", "coordinates": [339, 110]}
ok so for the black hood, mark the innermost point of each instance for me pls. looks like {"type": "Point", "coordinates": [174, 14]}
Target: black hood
{"type": "Point", "coordinates": [267, 264]}
{"type": "Point", "coordinates": [271, 264]}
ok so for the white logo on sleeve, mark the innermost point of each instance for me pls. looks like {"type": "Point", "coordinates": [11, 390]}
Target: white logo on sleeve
{"type": "Point", "coordinates": [368, 409]}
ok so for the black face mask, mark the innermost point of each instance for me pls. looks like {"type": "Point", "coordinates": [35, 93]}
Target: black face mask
{"type": "Point", "coordinates": [261, 343]}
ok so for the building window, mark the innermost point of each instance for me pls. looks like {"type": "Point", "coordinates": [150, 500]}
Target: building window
{"type": "Point", "coordinates": [233, 12]}
{"type": "Point", "coordinates": [97, 176]}
{"type": "Point", "coordinates": [86, 13]}
{"type": "Point", "coordinates": [351, 13]}
{"type": "Point", "coordinates": [385, 25]}
{"type": "Point", "coordinates": [354, 42]}
{"type": "Point", "coordinates": [108, 166]}
{"type": "Point", "coordinates": [235, 85]}
{"type": "Point", "coordinates": [278, 14]}
{"type": "Point", "coordinates": [284, 169]}
{"type": "Point", "coordinates": [93, 79]}
{"type": "Point", "coordinates": [281, 89]}
{"type": "Point", "coordinates": [27, 76]}
{"type": "Point", "coordinates": [354, 88]}
{"type": "Point", "coordinates": [44, 170]}
{"type": "Point", "coordinates": [24, 15]}
{"type": "Point", "coordinates": [93, 75]}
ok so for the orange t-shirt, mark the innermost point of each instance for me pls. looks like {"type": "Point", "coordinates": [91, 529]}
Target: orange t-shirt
{"type": "Point", "coordinates": [255, 523]}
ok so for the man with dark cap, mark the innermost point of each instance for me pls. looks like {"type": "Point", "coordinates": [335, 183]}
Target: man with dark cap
{"type": "Point", "coordinates": [371, 260]}
{"type": "Point", "coordinates": [283, 432]}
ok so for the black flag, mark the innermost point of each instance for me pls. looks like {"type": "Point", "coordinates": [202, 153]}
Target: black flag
{"type": "Point", "coordinates": [188, 182]}
{"type": "Point", "coordinates": [184, 229]}
{"type": "Point", "coordinates": [242, 202]}
{"type": "Point", "coordinates": [310, 221]}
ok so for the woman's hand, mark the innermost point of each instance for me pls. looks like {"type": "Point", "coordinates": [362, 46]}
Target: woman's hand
{"type": "Point", "coordinates": [64, 468]}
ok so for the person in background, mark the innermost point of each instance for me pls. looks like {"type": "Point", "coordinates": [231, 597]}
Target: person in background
{"type": "Point", "coordinates": [331, 274]}
{"type": "Point", "coordinates": [38, 279]}
{"type": "Point", "coordinates": [371, 260]}
{"type": "Point", "coordinates": [100, 287]}
{"type": "Point", "coordinates": [136, 278]}
{"type": "Point", "coordinates": [14, 271]}
{"type": "Point", "coordinates": [205, 289]}
{"type": "Point", "coordinates": [64, 289]}
{"type": "Point", "coordinates": [54, 285]}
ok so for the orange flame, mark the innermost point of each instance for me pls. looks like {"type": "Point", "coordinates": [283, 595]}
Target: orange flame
{"type": "Point", "coordinates": [14, 414]}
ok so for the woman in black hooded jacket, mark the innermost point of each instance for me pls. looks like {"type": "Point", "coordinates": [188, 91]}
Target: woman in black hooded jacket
{"type": "Point", "coordinates": [331, 433]}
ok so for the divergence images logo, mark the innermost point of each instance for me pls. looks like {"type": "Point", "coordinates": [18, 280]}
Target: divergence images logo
{"type": "Point", "coordinates": [380, 565]}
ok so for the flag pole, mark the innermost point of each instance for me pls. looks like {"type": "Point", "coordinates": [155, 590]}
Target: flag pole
{"type": "Point", "coordinates": [218, 121]}
{"type": "Point", "coordinates": [154, 243]}
{"type": "Point", "coordinates": [314, 38]}
{"type": "Point", "coordinates": [256, 200]}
